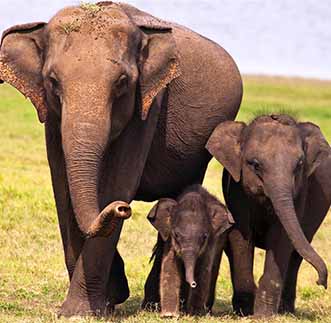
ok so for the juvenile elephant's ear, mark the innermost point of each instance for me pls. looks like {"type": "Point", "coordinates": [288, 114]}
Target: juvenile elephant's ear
{"type": "Point", "coordinates": [160, 217]}
{"type": "Point", "coordinates": [158, 63]}
{"type": "Point", "coordinates": [220, 216]}
{"type": "Point", "coordinates": [21, 63]}
{"type": "Point", "coordinates": [316, 147]}
{"type": "Point", "coordinates": [224, 145]}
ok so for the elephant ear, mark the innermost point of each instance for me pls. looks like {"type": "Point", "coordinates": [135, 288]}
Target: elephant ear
{"type": "Point", "coordinates": [21, 63]}
{"type": "Point", "coordinates": [158, 62]}
{"type": "Point", "coordinates": [224, 145]}
{"type": "Point", "coordinates": [221, 218]}
{"type": "Point", "coordinates": [315, 145]}
{"type": "Point", "coordinates": [160, 217]}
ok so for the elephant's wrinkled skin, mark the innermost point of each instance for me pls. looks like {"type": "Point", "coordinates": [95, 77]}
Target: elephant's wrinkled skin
{"type": "Point", "coordinates": [276, 184]}
{"type": "Point", "coordinates": [192, 233]}
{"type": "Point", "coordinates": [128, 102]}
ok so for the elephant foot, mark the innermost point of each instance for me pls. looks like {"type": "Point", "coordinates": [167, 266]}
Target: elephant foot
{"type": "Point", "coordinates": [118, 288]}
{"type": "Point", "coordinates": [265, 307]}
{"type": "Point", "coordinates": [81, 307]}
{"type": "Point", "coordinates": [118, 296]}
{"type": "Point", "coordinates": [286, 307]}
{"type": "Point", "coordinates": [243, 303]}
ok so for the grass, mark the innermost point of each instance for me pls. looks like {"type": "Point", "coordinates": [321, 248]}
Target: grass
{"type": "Point", "coordinates": [33, 278]}
{"type": "Point", "coordinates": [91, 7]}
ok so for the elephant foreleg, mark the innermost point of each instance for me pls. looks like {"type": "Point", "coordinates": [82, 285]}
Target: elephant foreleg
{"type": "Point", "coordinates": [87, 293]}
{"type": "Point", "coordinates": [240, 253]}
{"type": "Point", "coordinates": [170, 283]}
{"type": "Point", "coordinates": [214, 273]}
{"type": "Point", "coordinates": [118, 287]}
{"type": "Point", "coordinates": [279, 250]}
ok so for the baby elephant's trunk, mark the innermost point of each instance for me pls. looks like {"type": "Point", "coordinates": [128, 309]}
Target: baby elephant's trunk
{"type": "Point", "coordinates": [189, 260]}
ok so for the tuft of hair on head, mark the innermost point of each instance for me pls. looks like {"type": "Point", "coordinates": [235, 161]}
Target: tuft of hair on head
{"type": "Point", "coordinates": [70, 27]}
{"type": "Point", "coordinates": [282, 114]}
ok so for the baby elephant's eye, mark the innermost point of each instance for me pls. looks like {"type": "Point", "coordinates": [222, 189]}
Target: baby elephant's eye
{"type": "Point", "coordinates": [299, 165]}
{"type": "Point", "coordinates": [205, 236]}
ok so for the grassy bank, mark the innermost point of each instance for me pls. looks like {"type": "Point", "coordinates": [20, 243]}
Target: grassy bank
{"type": "Point", "coordinates": [33, 279]}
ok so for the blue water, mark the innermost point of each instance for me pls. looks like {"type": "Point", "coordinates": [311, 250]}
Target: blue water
{"type": "Point", "coordinates": [282, 37]}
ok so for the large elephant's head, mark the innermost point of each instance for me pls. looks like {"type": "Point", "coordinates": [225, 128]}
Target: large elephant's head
{"type": "Point", "coordinates": [93, 67]}
{"type": "Point", "coordinates": [273, 158]}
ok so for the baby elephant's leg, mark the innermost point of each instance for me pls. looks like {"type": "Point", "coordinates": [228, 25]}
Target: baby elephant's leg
{"type": "Point", "coordinates": [170, 283]}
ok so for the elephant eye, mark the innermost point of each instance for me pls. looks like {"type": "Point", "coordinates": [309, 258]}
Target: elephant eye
{"type": "Point", "coordinates": [121, 84]}
{"type": "Point", "coordinates": [255, 164]}
{"type": "Point", "coordinates": [54, 85]}
{"type": "Point", "coordinates": [299, 164]}
{"type": "Point", "coordinates": [54, 82]}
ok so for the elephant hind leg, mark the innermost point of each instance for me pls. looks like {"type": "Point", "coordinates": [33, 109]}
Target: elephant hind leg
{"type": "Point", "coordinates": [118, 287]}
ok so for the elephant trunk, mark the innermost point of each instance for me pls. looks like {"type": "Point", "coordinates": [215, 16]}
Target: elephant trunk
{"type": "Point", "coordinates": [282, 201]}
{"type": "Point", "coordinates": [84, 145]}
{"type": "Point", "coordinates": [189, 260]}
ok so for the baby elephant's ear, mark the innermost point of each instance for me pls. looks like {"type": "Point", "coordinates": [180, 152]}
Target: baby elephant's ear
{"type": "Point", "coordinates": [221, 218]}
{"type": "Point", "coordinates": [316, 147]}
{"type": "Point", "coordinates": [160, 216]}
{"type": "Point", "coordinates": [224, 145]}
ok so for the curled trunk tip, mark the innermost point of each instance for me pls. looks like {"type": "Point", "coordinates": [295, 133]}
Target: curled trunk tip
{"type": "Point", "coordinates": [284, 208]}
{"type": "Point", "coordinates": [108, 219]}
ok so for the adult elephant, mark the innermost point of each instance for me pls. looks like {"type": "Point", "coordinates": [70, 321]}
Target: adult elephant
{"type": "Point", "coordinates": [128, 102]}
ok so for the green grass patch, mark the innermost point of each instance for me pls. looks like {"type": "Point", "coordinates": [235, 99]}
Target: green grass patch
{"type": "Point", "coordinates": [33, 278]}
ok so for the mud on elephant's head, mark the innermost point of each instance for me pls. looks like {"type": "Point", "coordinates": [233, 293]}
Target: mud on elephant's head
{"type": "Point", "coordinates": [272, 158]}
{"type": "Point", "coordinates": [92, 67]}
{"type": "Point", "coordinates": [191, 225]}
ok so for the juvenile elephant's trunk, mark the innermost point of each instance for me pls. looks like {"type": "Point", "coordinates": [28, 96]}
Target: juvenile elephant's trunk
{"type": "Point", "coordinates": [84, 144]}
{"type": "Point", "coordinates": [282, 201]}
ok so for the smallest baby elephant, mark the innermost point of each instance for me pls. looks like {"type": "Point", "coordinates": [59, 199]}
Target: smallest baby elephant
{"type": "Point", "coordinates": [192, 234]}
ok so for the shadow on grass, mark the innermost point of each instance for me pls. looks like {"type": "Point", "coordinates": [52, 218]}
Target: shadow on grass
{"type": "Point", "coordinates": [132, 307]}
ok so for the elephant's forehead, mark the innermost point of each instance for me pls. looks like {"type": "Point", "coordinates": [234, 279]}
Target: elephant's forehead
{"type": "Point", "coordinates": [272, 133]}
{"type": "Point", "coordinates": [90, 20]}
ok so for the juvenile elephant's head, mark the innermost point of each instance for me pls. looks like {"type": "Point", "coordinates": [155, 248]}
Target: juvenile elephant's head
{"type": "Point", "coordinates": [190, 225]}
{"type": "Point", "coordinates": [94, 67]}
{"type": "Point", "coordinates": [272, 158]}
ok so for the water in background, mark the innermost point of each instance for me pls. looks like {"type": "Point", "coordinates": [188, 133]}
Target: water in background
{"type": "Point", "coordinates": [283, 37]}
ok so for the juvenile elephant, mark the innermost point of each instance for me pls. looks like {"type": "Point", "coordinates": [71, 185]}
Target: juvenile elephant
{"type": "Point", "coordinates": [192, 234]}
{"type": "Point", "coordinates": [128, 108]}
{"type": "Point", "coordinates": [276, 183]}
